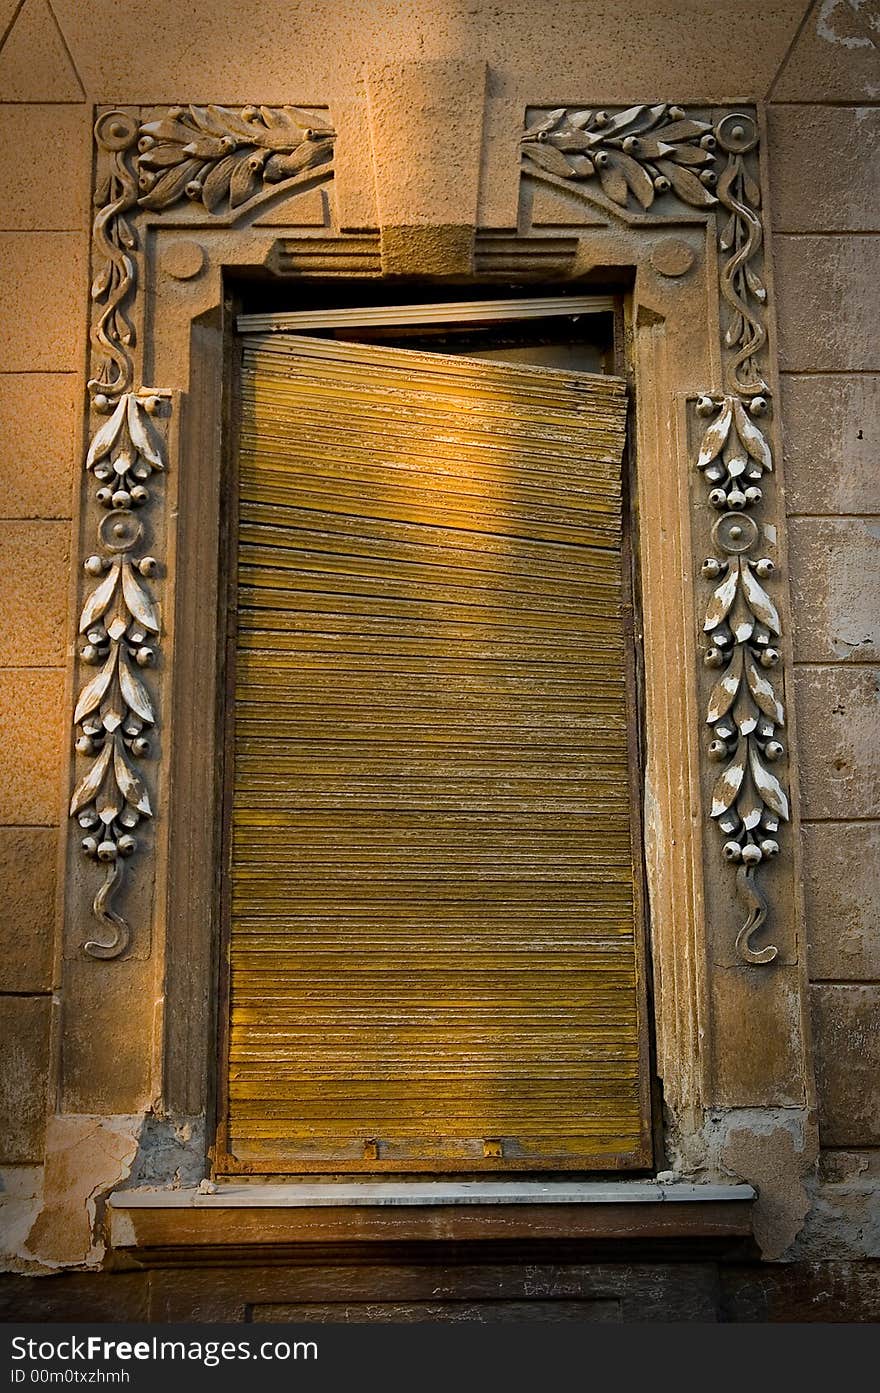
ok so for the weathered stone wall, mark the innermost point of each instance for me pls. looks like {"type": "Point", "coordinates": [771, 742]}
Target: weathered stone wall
{"type": "Point", "coordinates": [817, 66]}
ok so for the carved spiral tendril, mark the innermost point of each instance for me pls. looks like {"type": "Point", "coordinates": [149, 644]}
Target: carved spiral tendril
{"type": "Point", "coordinates": [740, 283]}
{"type": "Point", "coordinates": [752, 897]}
{"type": "Point", "coordinates": [115, 243]}
{"type": "Point", "coordinates": [102, 908]}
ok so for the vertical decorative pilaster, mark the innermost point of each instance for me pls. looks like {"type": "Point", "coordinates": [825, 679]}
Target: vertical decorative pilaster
{"type": "Point", "coordinates": [119, 628]}
{"type": "Point", "coordinates": [221, 160]}
{"type": "Point", "coordinates": [653, 161]}
{"type": "Point", "coordinates": [742, 626]}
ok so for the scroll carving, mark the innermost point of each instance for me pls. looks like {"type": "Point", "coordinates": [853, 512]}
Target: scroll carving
{"type": "Point", "coordinates": [220, 160]}
{"type": "Point", "coordinates": [651, 160]}
{"type": "Point", "coordinates": [212, 156]}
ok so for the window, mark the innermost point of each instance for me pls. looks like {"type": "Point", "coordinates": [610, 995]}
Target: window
{"type": "Point", "coordinates": [433, 936]}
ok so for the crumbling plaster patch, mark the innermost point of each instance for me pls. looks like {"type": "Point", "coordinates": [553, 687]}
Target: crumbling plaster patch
{"type": "Point", "coordinates": [53, 1217]}
{"type": "Point", "coordinates": [21, 1194]}
{"type": "Point", "coordinates": [86, 1157]}
{"type": "Point", "coordinates": [773, 1149]}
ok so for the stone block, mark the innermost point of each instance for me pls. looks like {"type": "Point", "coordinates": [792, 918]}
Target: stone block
{"type": "Point", "coordinates": [831, 443]}
{"type": "Point", "coordinates": [846, 1041]}
{"type": "Point", "coordinates": [578, 49]}
{"type": "Point", "coordinates": [98, 1080]}
{"type": "Point", "coordinates": [758, 1038]}
{"type": "Point", "coordinates": [825, 168]}
{"type": "Point", "coordinates": [835, 588]}
{"type": "Point", "coordinates": [45, 168]}
{"type": "Point", "coordinates": [34, 564]}
{"type": "Point", "coordinates": [826, 290]}
{"type": "Point", "coordinates": [43, 301]}
{"type": "Point", "coordinates": [834, 58]}
{"type": "Point", "coordinates": [439, 106]}
{"type": "Point", "coordinates": [32, 726]}
{"type": "Point", "coordinates": [38, 415]}
{"type": "Point", "coordinates": [35, 62]}
{"type": "Point", "coordinates": [28, 857]}
{"type": "Point", "coordinates": [427, 251]}
{"type": "Point", "coordinates": [842, 899]}
{"type": "Point", "coordinates": [24, 1078]}
{"type": "Point", "coordinates": [838, 708]}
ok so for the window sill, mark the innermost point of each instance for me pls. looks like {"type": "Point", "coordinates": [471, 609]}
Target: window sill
{"type": "Point", "coordinates": [298, 1219]}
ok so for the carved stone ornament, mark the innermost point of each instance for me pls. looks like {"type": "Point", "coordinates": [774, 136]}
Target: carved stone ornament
{"type": "Point", "coordinates": [654, 159]}
{"type": "Point", "coordinates": [220, 160]}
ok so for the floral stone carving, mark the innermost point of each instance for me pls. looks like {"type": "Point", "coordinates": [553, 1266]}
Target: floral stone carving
{"type": "Point", "coordinates": [219, 159]}
{"type": "Point", "coordinates": [119, 624]}
{"type": "Point", "coordinates": [651, 160]}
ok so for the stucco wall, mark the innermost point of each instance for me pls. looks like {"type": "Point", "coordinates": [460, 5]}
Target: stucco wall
{"type": "Point", "coordinates": [817, 66]}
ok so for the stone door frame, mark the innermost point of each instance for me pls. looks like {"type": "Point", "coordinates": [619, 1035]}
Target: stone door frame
{"type": "Point", "coordinates": [187, 198]}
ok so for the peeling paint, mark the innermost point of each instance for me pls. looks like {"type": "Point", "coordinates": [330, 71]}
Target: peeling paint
{"type": "Point", "coordinates": [849, 23]}
{"type": "Point", "coordinates": [86, 1158]}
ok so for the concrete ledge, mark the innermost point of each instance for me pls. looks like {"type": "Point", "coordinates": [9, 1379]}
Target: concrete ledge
{"type": "Point", "coordinates": [297, 1195]}
{"type": "Point", "coordinates": [311, 1222]}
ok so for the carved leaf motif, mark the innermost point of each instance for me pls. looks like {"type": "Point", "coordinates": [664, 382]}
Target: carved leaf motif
{"type": "Point", "coordinates": [762, 690]}
{"type": "Point", "coordinates": [163, 156]}
{"type": "Point", "coordinates": [749, 805]}
{"type": "Point", "coordinates": [735, 457]}
{"type": "Point", "coordinates": [767, 784]}
{"type": "Point", "coordinates": [93, 693]}
{"type": "Point", "coordinates": [760, 603]}
{"type": "Point", "coordinates": [130, 784]}
{"type": "Point", "coordinates": [245, 181]}
{"type": "Point", "coordinates": [755, 284]}
{"type": "Point", "coordinates": [87, 789]}
{"type": "Point", "coordinates": [167, 129]}
{"type": "Point", "coordinates": [752, 437]}
{"type": "Point", "coordinates": [650, 147]}
{"type": "Point", "coordinates": [134, 693]}
{"type": "Point", "coordinates": [169, 187]}
{"type": "Point", "coordinates": [138, 601]}
{"type": "Point", "coordinates": [716, 436]}
{"type": "Point", "coordinates": [725, 690]}
{"type": "Point", "coordinates": [105, 438]}
{"type": "Point", "coordinates": [728, 784]}
{"type": "Point", "coordinates": [727, 234]}
{"type": "Point", "coordinates": [745, 712]}
{"type": "Point", "coordinates": [142, 437]}
{"type": "Point", "coordinates": [554, 117]}
{"type": "Point", "coordinates": [206, 147]}
{"type": "Point", "coordinates": [690, 154]}
{"type": "Point", "coordinates": [216, 185]}
{"type": "Point", "coordinates": [99, 601]}
{"type": "Point", "coordinates": [751, 190]}
{"type": "Point", "coordinates": [682, 130]}
{"type": "Point", "coordinates": [108, 803]}
{"type": "Point", "coordinates": [613, 183]}
{"type": "Point", "coordinates": [582, 166]}
{"type": "Point", "coordinates": [722, 598]}
{"type": "Point", "coordinates": [310, 153]}
{"type": "Point", "coordinates": [636, 177]}
{"type": "Point", "coordinates": [549, 158]}
{"type": "Point", "coordinates": [622, 119]}
{"type": "Point", "coordinates": [687, 185]}
{"type": "Point", "coordinates": [741, 619]}
{"type": "Point", "coordinates": [569, 139]}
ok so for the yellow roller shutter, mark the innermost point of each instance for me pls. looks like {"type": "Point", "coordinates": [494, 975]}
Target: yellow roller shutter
{"type": "Point", "coordinates": [434, 957]}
